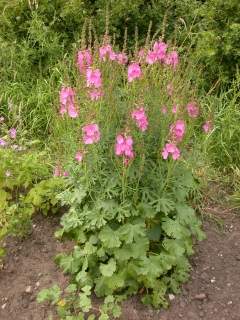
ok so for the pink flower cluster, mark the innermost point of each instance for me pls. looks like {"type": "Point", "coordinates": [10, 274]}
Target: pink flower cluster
{"type": "Point", "coordinates": [91, 133]}
{"type": "Point", "coordinates": [172, 149]}
{"type": "Point", "coordinates": [94, 78]}
{"type": "Point", "coordinates": [95, 94]}
{"type": "Point", "coordinates": [13, 133]}
{"type": "Point", "coordinates": [134, 71]}
{"type": "Point", "coordinates": [84, 60]}
{"type": "Point", "coordinates": [94, 82]}
{"type": "Point", "coordinates": [124, 147]}
{"type": "Point", "coordinates": [207, 126]}
{"type": "Point", "coordinates": [175, 108]}
{"type": "Point", "coordinates": [106, 52]}
{"type": "Point", "coordinates": [67, 104]}
{"type": "Point", "coordinates": [177, 130]}
{"type": "Point", "coordinates": [58, 172]}
{"type": "Point", "coordinates": [3, 143]}
{"type": "Point", "coordinates": [140, 117]}
{"type": "Point", "coordinates": [172, 59]}
{"type": "Point", "coordinates": [159, 53]}
{"type": "Point", "coordinates": [79, 156]}
{"type": "Point", "coordinates": [192, 109]}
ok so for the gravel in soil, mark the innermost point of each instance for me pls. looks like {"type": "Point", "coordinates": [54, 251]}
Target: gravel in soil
{"type": "Point", "coordinates": [212, 292]}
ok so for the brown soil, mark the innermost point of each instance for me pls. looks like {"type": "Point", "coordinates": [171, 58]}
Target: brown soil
{"type": "Point", "coordinates": [212, 293]}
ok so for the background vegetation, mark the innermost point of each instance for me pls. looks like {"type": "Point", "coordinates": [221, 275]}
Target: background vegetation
{"type": "Point", "coordinates": [38, 42]}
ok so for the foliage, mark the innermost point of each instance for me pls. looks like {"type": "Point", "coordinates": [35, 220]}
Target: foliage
{"type": "Point", "coordinates": [218, 42]}
{"type": "Point", "coordinates": [222, 148]}
{"type": "Point", "coordinates": [129, 214]}
{"type": "Point", "coordinates": [25, 187]}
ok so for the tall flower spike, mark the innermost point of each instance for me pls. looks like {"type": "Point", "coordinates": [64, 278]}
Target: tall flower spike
{"type": "Point", "coordinates": [124, 146]}
{"type": "Point", "coordinates": [13, 133]}
{"type": "Point", "coordinates": [140, 117]}
{"type": "Point", "coordinates": [67, 104]}
{"type": "Point", "coordinates": [134, 71]}
{"type": "Point", "coordinates": [84, 60]}
{"type": "Point", "coordinates": [177, 130]}
{"type": "Point", "coordinates": [91, 133]}
{"type": "Point", "coordinates": [160, 49]}
{"type": "Point", "coordinates": [172, 59]}
{"type": "Point", "coordinates": [94, 78]}
{"type": "Point", "coordinates": [170, 148]}
{"type": "Point", "coordinates": [193, 110]}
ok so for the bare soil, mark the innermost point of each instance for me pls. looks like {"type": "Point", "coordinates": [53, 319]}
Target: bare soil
{"type": "Point", "coordinates": [212, 292]}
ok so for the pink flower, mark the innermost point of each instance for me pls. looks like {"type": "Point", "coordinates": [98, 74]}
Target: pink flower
{"type": "Point", "coordinates": [95, 94]}
{"type": "Point", "coordinates": [84, 60]}
{"type": "Point", "coordinates": [79, 156]}
{"type": "Point", "coordinates": [13, 133]}
{"type": "Point", "coordinates": [141, 53]}
{"type": "Point", "coordinates": [66, 94]}
{"type": "Point", "coordinates": [175, 109]}
{"type": "Point", "coordinates": [122, 58]}
{"type": "Point", "coordinates": [170, 89]}
{"type": "Point", "coordinates": [164, 110]}
{"type": "Point", "coordinates": [94, 78]}
{"type": "Point", "coordinates": [170, 148]}
{"type": "Point", "coordinates": [160, 49]}
{"type": "Point", "coordinates": [207, 126]}
{"type": "Point", "coordinates": [112, 56]}
{"type": "Point", "coordinates": [57, 171]}
{"type": "Point", "coordinates": [124, 146]}
{"type": "Point", "coordinates": [91, 133]}
{"type": "Point", "coordinates": [172, 59]}
{"type": "Point", "coordinates": [151, 57]}
{"type": "Point", "coordinates": [141, 119]}
{"type": "Point", "coordinates": [178, 130]}
{"type": "Point", "coordinates": [106, 51]}
{"type": "Point", "coordinates": [134, 71]}
{"type": "Point", "coordinates": [193, 110]}
{"type": "Point", "coordinates": [67, 105]}
{"type": "Point", "coordinates": [3, 143]}
{"type": "Point", "coordinates": [66, 174]}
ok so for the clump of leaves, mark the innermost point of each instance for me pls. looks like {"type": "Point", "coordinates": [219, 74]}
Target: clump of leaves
{"type": "Point", "coordinates": [25, 188]}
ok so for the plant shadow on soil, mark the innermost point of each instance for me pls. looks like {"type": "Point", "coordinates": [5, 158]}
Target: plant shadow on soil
{"type": "Point", "coordinates": [212, 292]}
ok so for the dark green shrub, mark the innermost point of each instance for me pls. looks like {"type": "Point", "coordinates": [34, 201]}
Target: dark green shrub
{"type": "Point", "coordinates": [218, 45]}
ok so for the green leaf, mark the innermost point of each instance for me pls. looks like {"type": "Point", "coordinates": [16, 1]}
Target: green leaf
{"type": "Point", "coordinates": [71, 288]}
{"type": "Point", "coordinates": [87, 290]}
{"type": "Point", "coordinates": [174, 247]}
{"type": "Point", "coordinates": [108, 269]}
{"type": "Point", "coordinates": [150, 267]}
{"type": "Point", "coordinates": [165, 205]}
{"type": "Point", "coordinates": [103, 316]}
{"type": "Point", "coordinates": [109, 238]}
{"type": "Point", "coordinates": [107, 285]}
{"type": "Point", "coordinates": [129, 232]}
{"type": "Point", "coordinates": [89, 249]}
{"type": "Point", "coordinates": [84, 302]}
{"type": "Point", "coordinates": [116, 311]}
{"type": "Point", "coordinates": [52, 294]}
{"type": "Point", "coordinates": [174, 229]}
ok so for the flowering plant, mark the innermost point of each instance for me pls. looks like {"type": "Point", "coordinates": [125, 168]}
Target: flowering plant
{"type": "Point", "coordinates": [129, 182]}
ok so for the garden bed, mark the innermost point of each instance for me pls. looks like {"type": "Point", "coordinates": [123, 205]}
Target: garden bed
{"type": "Point", "coordinates": [212, 292]}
